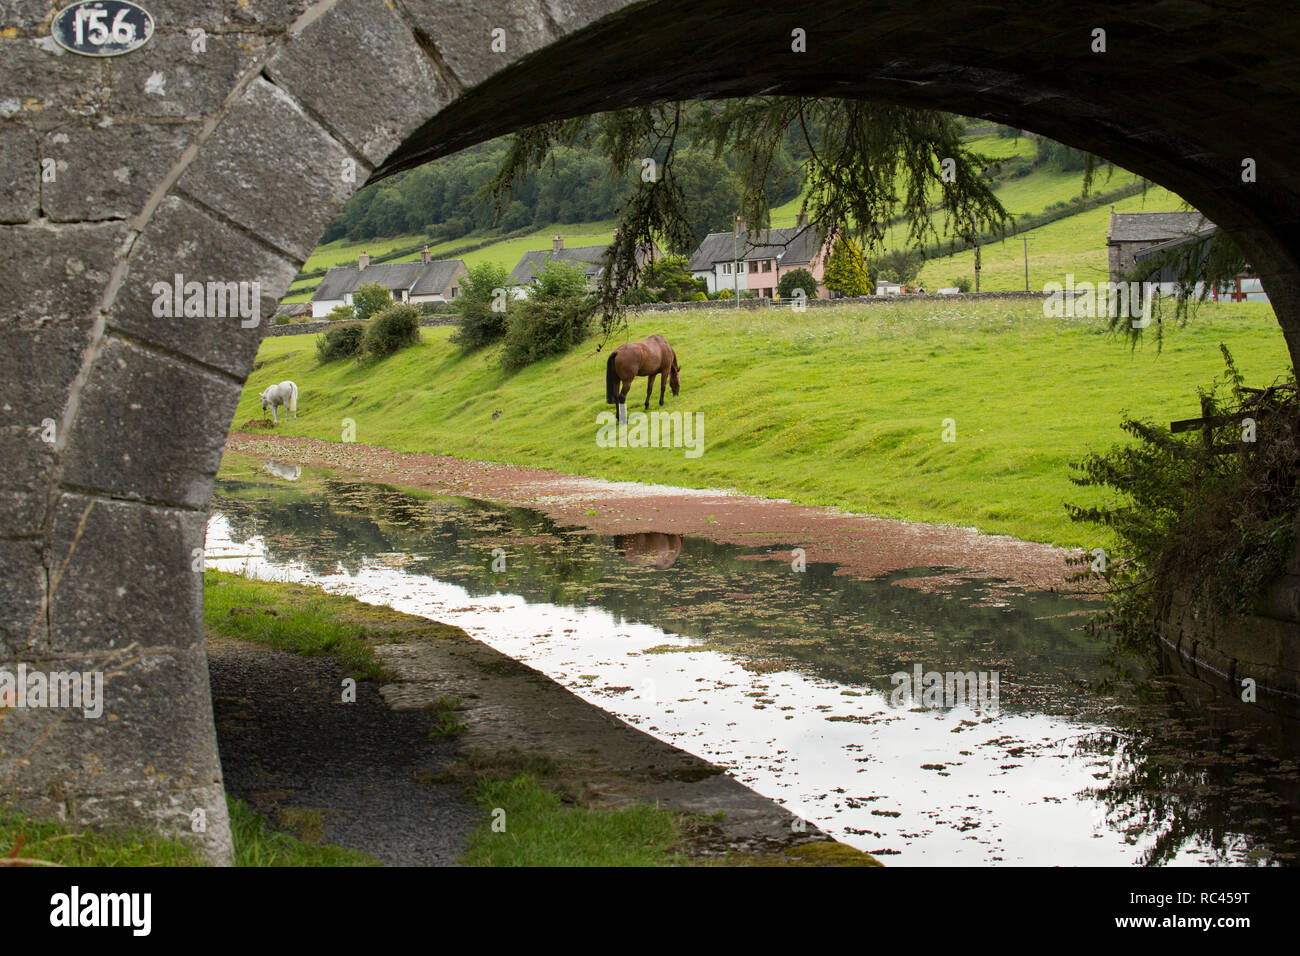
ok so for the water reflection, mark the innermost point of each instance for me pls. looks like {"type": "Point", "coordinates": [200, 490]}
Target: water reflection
{"type": "Point", "coordinates": [653, 548]}
{"type": "Point", "coordinates": [786, 677]}
{"type": "Point", "coordinates": [282, 470]}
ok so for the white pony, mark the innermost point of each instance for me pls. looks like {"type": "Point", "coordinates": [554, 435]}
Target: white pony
{"type": "Point", "coordinates": [286, 394]}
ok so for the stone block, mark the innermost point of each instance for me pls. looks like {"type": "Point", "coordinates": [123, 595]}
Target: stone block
{"type": "Point", "coordinates": [183, 240]}
{"type": "Point", "coordinates": [22, 591]}
{"type": "Point", "coordinates": [148, 760]}
{"type": "Point", "coordinates": [128, 576]}
{"type": "Point", "coordinates": [370, 117]}
{"type": "Point", "coordinates": [462, 31]}
{"type": "Point", "coordinates": [149, 427]}
{"type": "Point", "coordinates": [172, 79]}
{"type": "Point", "coordinates": [271, 168]}
{"type": "Point", "coordinates": [65, 270]}
{"type": "Point", "coordinates": [108, 171]}
{"type": "Point", "coordinates": [36, 368]}
{"type": "Point", "coordinates": [24, 488]}
{"type": "Point", "coordinates": [20, 175]}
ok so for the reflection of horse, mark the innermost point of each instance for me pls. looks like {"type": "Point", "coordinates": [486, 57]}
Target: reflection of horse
{"type": "Point", "coordinates": [281, 470]}
{"type": "Point", "coordinates": [654, 548]}
{"type": "Point", "coordinates": [653, 356]}
{"type": "Point", "coordinates": [286, 394]}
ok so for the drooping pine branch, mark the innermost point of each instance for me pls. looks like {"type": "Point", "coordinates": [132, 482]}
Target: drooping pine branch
{"type": "Point", "coordinates": [869, 164]}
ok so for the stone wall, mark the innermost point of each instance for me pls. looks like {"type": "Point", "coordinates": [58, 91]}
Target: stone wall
{"type": "Point", "coordinates": [320, 325]}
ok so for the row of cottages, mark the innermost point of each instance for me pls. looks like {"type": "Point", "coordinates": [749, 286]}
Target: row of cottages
{"type": "Point", "coordinates": [424, 280]}
{"type": "Point", "coordinates": [756, 260]}
{"type": "Point", "coordinates": [1134, 237]}
{"type": "Point", "coordinates": [590, 258]}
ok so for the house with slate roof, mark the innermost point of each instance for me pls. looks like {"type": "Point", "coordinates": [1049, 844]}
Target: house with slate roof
{"type": "Point", "coordinates": [424, 280]}
{"type": "Point", "coordinates": [755, 260]}
{"type": "Point", "coordinates": [590, 258]}
{"type": "Point", "coordinates": [1136, 237]}
{"type": "Point", "coordinates": [1131, 233]}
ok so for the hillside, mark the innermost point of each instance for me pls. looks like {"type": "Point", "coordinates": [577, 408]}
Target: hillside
{"type": "Point", "coordinates": [839, 406]}
{"type": "Point", "coordinates": [1075, 244]}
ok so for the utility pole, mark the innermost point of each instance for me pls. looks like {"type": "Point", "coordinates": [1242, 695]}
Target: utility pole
{"type": "Point", "coordinates": [977, 264]}
{"type": "Point", "coordinates": [1026, 240]}
{"type": "Point", "coordinates": [735, 262]}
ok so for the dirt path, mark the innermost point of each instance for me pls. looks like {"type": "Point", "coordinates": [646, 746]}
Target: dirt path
{"type": "Point", "coordinates": [350, 775]}
{"type": "Point", "coordinates": [862, 546]}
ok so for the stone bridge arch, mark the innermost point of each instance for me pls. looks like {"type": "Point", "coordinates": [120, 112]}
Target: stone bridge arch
{"type": "Point", "coordinates": [221, 149]}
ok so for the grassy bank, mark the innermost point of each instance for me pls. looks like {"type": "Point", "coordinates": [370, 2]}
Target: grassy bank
{"type": "Point", "coordinates": [842, 406]}
{"type": "Point", "coordinates": [51, 843]}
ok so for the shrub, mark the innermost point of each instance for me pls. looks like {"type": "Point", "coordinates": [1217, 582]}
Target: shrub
{"type": "Point", "coordinates": [555, 317]}
{"type": "Point", "coordinates": [281, 319]}
{"type": "Point", "coordinates": [1211, 529]}
{"type": "Point", "coordinates": [478, 324]}
{"type": "Point", "coordinates": [640, 295]}
{"type": "Point", "coordinates": [898, 265]}
{"type": "Point", "coordinates": [396, 328]}
{"type": "Point", "coordinates": [341, 313]}
{"type": "Point", "coordinates": [700, 297]}
{"type": "Point", "coordinates": [962, 284]}
{"type": "Point", "coordinates": [340, 342]}
{"type": "Point", "coordinates": [797, 279]}
{"type": "Point", "coordinates": [846, 272]}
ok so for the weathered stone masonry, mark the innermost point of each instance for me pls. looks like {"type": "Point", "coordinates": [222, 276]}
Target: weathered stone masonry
{"type": "Point", "coordinates": [220, 150]}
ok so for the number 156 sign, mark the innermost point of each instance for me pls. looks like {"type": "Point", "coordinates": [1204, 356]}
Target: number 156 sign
{"type": "Point", "coordinates": [102, 27]}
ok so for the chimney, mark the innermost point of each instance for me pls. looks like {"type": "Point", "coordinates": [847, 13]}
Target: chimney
{"type": "Point", "coordinates": [740, 225]}
{"type": "Point", "coordinates": [363, 260]}
{"type": "Point", "coordinates": [424, 255]}
{"type": "Point", "coordinates": [556, 245]}
{"type": "Point", "coordinates": [803, 220]}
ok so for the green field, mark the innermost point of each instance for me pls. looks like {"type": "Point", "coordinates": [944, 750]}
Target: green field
{"type": "Point", "coordinates": [1076, 244]}
{"type": "Point", "coordinates": [840, 406]}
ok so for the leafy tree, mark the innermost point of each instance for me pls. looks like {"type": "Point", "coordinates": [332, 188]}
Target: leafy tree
{"type": "Point", "coordinates": [370, 299]}
{"type": "Point", "coordinates": [797, 279]}
{"type": "Point", "coordinates": [898, 265]}
{"type": "Point", "coordinates": [478, 323]}
{"type": "Point", "coordinates": [555, 317]}
{"type": "Point", "coordinates": [846, 273]}
{"type": "Point", "coordinates": [711, 193]}
{"type": "Point", "coordinates": [516, 216]}
{"type": "Point", "coordinates": [669, 278]}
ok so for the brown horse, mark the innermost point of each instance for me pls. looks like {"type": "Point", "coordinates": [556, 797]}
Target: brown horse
{"type": "Point", "coordinates": [653, 356]}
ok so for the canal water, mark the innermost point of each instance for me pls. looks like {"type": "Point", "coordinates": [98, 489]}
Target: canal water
{"type": "Point", "coordinates": [795, 680]}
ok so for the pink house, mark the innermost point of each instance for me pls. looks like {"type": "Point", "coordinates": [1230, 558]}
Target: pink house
{"type": "Point", "coordinates": [764, 257]}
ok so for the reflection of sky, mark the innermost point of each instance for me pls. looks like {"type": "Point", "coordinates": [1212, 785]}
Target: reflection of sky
{"type": "Point", "coordinates": [997, 789]}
